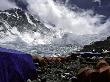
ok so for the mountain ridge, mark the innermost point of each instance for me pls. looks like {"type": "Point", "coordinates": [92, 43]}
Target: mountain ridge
{"type": "Point", "coordinates": [18, 18]}
{"type": "Point", "coordinates": [98, 46]}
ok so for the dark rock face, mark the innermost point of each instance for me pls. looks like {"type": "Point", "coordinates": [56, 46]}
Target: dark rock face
{"type": "Point", "coordinates": [13, 19]}
{"type": "Point", "coordinates": [22, 21]}
{"type": "Point", "coordinates": [98, 46]}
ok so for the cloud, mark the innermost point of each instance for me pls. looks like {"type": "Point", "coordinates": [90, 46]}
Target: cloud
{"type": "Point", "coordinates": [82, 26]}
{"type": "Point", "coordinates": [99, 1]}
{"type": "Point", "coordinates": [63, 20]}
{"type": "Point", "coordinates": [5, 4]}
{"type": "Point", "coordinates": [80, 23]}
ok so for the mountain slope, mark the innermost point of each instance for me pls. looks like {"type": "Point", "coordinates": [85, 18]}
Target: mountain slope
{"type": "Point", "coordinates": [20, 30]}
{"type": "Point", "coordinates": [22, 21]}
{"type": "Point", "coordinates": [98, 46]}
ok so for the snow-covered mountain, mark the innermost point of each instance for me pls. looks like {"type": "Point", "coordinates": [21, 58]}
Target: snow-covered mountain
{"type": "Point", "coordinates": [22, 21]}
{"type": "Point", "coordinates": [20, 30]}
{"type": "Point", "coordinates": [48, 27]}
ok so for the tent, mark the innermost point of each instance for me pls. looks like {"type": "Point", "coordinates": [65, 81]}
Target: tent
{"type": "Point", "coordinates": [16, 66]}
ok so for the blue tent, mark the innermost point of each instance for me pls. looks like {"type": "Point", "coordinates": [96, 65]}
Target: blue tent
{"type": "Point", "coordinates": [16, 66]}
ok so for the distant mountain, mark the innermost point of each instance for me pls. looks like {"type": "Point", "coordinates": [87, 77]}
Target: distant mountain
{"type": "Point", "coordinates": [14, 23]}
{"type": "Point", "coordinates": [22, 21]}
{"type": "Point", "coordinates": [21, 30]}
{"type": "Point", "coordinates": [98, 46]}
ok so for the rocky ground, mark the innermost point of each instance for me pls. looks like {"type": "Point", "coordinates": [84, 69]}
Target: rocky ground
{"type": "Point", "coordinates": [64, 69]}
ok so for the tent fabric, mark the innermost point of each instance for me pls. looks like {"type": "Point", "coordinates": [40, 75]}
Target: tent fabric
{"type": "Point", "coordinates": [16, 66]}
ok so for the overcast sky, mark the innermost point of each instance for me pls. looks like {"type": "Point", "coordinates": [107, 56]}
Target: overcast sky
{"type": "Point", "coordinates": [5, 4]}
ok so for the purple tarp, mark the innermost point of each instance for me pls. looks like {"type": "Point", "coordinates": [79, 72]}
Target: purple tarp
{"type": "Point", "coordinates": [15, 66]}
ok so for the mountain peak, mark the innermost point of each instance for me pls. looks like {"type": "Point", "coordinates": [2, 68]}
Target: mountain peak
{"type": "Point", "coordinates": [22, 20]}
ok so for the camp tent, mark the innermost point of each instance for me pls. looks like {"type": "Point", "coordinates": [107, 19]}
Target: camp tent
{"type": "Point", "coordinates": [16, 66]}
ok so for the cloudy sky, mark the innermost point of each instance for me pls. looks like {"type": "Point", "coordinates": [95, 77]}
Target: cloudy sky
{"type": "Point", "coordinates": [99, 6]}
{"type": "Point", "coordinates": [60, 16]}
{"type": "Point", "coordinates": [5, 4]}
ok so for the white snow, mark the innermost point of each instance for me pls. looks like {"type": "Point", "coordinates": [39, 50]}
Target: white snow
{"type": "Point", "coordinates": [7, 13]}
{"type": "Point", "coordinates": [29, 20]}
{"type": "Point", "coordinates": [17, 15]}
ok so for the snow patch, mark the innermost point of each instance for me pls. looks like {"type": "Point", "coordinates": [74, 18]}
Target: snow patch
{"type": "Point", "coordinates": [29, 20]}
